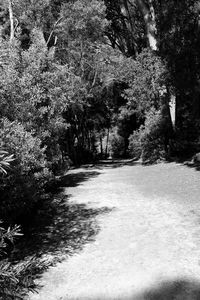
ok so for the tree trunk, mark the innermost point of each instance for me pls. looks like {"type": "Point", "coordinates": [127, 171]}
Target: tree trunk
{"type": "Point", "coordinates": [12, 29]}
{"type": "Point", "coordinates": [101, 145]}
{"type": "Point", "coordinates": [172, 107]}
{"type": "Point", "coordinates": [150, 22]}
{"type": "Point", "coordinates": [106, 152]}
{"type": "Point", "coordinates": [129, 28]}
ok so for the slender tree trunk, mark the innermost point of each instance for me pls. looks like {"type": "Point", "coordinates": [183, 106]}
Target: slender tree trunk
{"type": "Point", "coordinates": [89, 140]}
{"type": "Point", "coordinates": [108, 134]}
{"type": "Point", "coordinates": [150, 22]}
{"type": "Point", "coordinates": [12, 29]}
{"type": "Point", "coordinates": [172, 107]}
{"type": "Point", "coordinates": [101, 145]}
{"type": "Point", "coordinates": [130, 29]}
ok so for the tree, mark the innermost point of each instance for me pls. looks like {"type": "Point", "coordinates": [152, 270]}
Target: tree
{"type": "Point", "coordinates": [179, 43]}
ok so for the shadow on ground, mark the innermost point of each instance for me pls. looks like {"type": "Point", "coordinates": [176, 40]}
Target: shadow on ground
{"type": "Point", "coordinates": [180, 289]}
{"type": "Point", "coordinates": [75, 179]}
{"type": "Point", "coordinates": [60, 226]}
{"type": "Point", "coordinates": [193, 165]}
{"type": "Point", "coordinates": [112, 163]}
{"type": "Point", "coordinates": [173, 290]}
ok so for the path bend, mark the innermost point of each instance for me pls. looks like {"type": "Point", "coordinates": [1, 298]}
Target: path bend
{"type": "Point", "coordinates": [148, 245]}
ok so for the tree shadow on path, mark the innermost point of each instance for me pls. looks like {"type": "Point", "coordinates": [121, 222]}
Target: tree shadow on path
{"type": "Point", "coordinates": [75, 179]}
{"type": "Point", "coordinates": [180, 289]}
{"type": "Point", "coordinates": [61, 227]}
{"type": "Point", "coordinates": [112, 164]}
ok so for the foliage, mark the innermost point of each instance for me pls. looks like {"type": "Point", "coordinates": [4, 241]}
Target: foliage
{"type": "Point", "coordinates": [77, 70]}
{"type": "Point", "coordinates": [51, 101]}
{"type": "Point", "coordinates": [179, 44]}
{"type": "Point", "coordinates": [5, 160]}
{"type": "Point", "coordinates": [147, 80]}
{"type": "Point", "coordinates": [15, 280]}
{"type": "Point", "coordinates": [117, 144]}
{"type": "Point", "coordinates": [135, 147]}
{"type": "Point", "coordinates": [152, 137]}
{"type": "Point", "coordinates": [21, 188]}
{"type": "Point", "coordinates": [126, 30]}
{"type": "Point", "coordinates": [127, 121]}
{"type": "Point", "coordinates": [85, 68]}
{"type": "Point", "coordinates": [149, 141]}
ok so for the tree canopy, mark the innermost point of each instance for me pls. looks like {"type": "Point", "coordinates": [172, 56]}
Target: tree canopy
{"type": "Point", "coordinates": [77, 74]}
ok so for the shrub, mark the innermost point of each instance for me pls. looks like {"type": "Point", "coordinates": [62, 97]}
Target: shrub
{"type": "Point", "coordinates": [16, 280]}
{"type": "Point", "coordinates": [22, 188]}
{"type": "Point", "coordinates": [117, 145]}
{"type": "Point", "coordinates": [5, 160]}
{"type": "Point", "coordinates": [152, 137]}
{"type": "Point", "coordinates": [149, 141]}
{"type": "Point", "coordinates": [135, 147]}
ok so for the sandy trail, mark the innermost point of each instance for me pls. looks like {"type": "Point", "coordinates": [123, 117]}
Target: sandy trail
{"type": "Point", "coordinates": [148, 246]}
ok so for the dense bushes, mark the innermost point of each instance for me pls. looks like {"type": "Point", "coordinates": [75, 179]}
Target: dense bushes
{"type": "Point", "coordinates": [135, 146]}
{"type": "Point", "coordinates": [152, 138]}
{"type": "Point", "coordinates": [34, 94]}
{"type": "Point", "coordinates": [146, 108]}
{"type": "Point", "coordinates": [117, 144]}
{"type": "Point", "coordinates": [25, 183]}
{"type": "Point", "coordinates": [15, 279]}
{"type": "Point", "coordinates": [149, 141]}
{"type": "Point", "coordinates": [49, 112]}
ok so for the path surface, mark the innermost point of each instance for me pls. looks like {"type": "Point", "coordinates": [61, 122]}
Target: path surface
{"type": "Point", "coordinates": [148, 246]}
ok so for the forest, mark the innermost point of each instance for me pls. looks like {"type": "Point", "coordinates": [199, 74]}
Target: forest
{"type": "Point", "coordinates": [82, 81]}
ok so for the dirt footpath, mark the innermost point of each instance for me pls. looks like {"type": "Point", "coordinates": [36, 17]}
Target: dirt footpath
{"type": "Point", "coordinates": [148, 245]}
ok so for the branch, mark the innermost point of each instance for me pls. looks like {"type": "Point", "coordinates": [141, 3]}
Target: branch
{"type": "Point", "coordinates": [95, 77]}
{"type": "Point", "coordinates": [16, 25]}
{"type": "Point", "coordinates": [52, 31]}
{"type": "Point", "coordinates": [12, 30]}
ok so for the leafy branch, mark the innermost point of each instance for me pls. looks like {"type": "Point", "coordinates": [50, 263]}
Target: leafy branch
{"type": "Point", "coordinates": [5, 160]}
